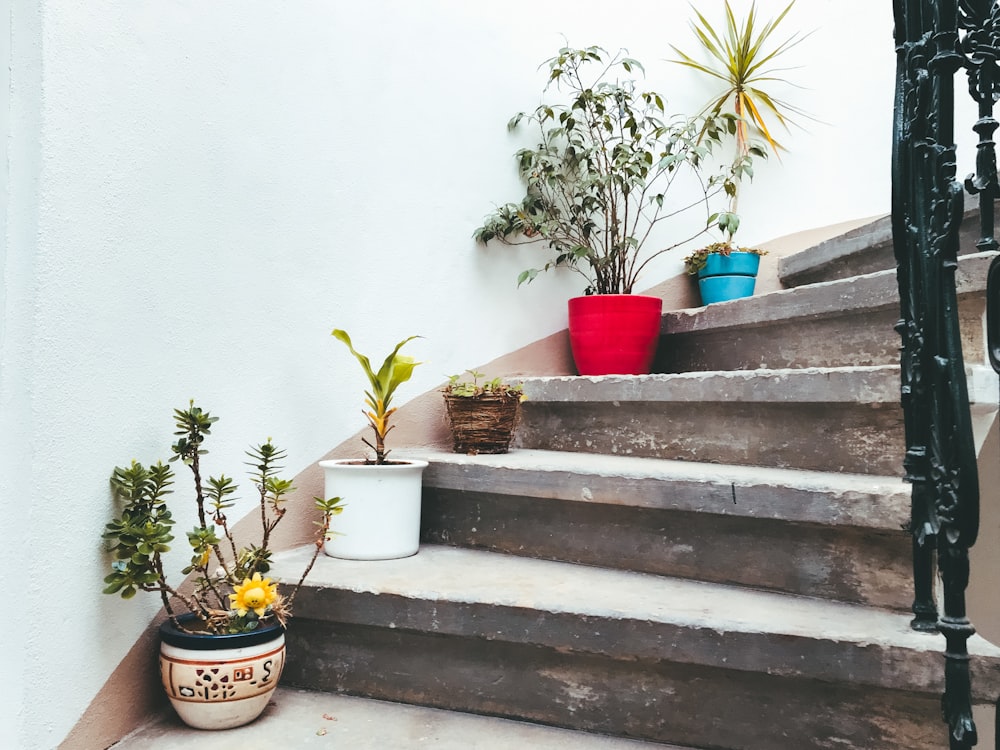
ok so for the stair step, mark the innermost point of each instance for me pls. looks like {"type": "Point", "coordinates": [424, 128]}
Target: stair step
{"type": "Point", "coordinates": [618, 652]}
{"type": "Point", "coordinates": [863, 250]}
{"type": "Point", "coordinates": [829, 324]}
{"type": "Point", "coordinates": [747, 417]}
{"type": "Point", "coordinates": [303, 718]}
{"type": "Point", "coordinates": [866, 249]}
{"type": "Point", "coordinates": [836, 536]}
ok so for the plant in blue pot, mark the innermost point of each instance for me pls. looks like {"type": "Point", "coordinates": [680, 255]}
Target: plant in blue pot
{"type": "Point", "coordinates": [725, 271]}
{"type": "Point", "coordinates": [741, 62]}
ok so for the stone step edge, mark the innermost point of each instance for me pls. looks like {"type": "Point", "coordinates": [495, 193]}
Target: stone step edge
{"type": "Point", "coordinates": [868, 384]}
{"type": "Point", "coordinates": [872, 235]}
{"type": "Point", "coordinates": [629, 616]}
{"type": "Point", "coordinates": [785, 495]}
{"type": "Point", "coordinates": [875, 234]}
{"type": "Point", "coordinates": [864, 293]}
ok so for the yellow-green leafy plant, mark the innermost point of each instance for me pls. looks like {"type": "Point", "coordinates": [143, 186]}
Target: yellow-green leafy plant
{"type": "Point", "coordinates": [228, 594]}
{"type": "Point", "coordinates": [741, 59]}
{"type": "Point", "coordinates": [395, 370]}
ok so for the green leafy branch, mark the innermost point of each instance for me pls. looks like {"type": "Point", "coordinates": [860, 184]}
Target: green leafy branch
{"type": "Point", "coordinates": [598, 181]}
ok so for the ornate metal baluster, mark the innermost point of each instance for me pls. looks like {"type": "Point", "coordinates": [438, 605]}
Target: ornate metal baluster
{"type": "Point", "coordinates": [980, 19]}
{"type": "Point", "coordinates": [912, 113]}
{"type": "Point", "coordinates": [940, 458]}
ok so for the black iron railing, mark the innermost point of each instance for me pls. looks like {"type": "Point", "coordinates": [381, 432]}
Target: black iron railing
{"type": "Point", "coordinates": [935, 39]}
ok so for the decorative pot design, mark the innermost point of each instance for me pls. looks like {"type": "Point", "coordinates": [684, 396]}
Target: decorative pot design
{"type": "Point", "coordinates": [381, 516]}
{"type": "Point", "coordinates": [728, 277]}
{"type": "Point", "coordinates": [220, 681]}
{"type": "Point", "coordinates": [614, 334]}
{"type": "Point", "coordinates": [483, 423]}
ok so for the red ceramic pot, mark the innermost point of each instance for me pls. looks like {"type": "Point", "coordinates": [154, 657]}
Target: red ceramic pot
{"type": "Point", "coordinates": [614, 334]}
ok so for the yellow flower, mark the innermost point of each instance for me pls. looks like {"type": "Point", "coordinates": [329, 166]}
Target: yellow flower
{"type": "Point", "coordinates": [255, 594]}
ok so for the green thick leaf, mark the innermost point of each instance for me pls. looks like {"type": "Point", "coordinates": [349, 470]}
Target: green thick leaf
{"type": "Point", "coordinates": [396, 369]}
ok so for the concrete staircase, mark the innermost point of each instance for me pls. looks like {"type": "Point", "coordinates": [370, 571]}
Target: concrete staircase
{"type": "Point", "coordinates": [710, 556]}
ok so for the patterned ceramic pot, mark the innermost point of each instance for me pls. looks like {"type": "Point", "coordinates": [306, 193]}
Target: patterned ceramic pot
{"type": "Point", "coordinates": [220, 681]}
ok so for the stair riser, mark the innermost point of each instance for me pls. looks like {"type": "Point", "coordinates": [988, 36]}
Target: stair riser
{"type": "Point", "coordinates": [854, 438]}
{"type": "Point", "coordinates": [864, 337]}
{"type": "Point", "coordinates": [845, 564]}
{"type": "Point", "coordinates": [649, 699]}
{"type": "Point", "coordinates": [617, 637]}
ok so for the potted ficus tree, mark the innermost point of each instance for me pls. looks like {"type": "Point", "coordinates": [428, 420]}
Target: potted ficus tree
{"type": "Point", "coordinates": [381, 518]}
{"type": "Point", "coordinates": [741, 61]}
{"type": "Point", "coordinates": [482, 416]}
{"type": "Point", "coordinates": [222, 647]}
{"type": "Point", "coordinates": [598, 186]}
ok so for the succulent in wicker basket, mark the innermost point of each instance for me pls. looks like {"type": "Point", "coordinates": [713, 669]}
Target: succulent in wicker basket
{"type": "Point", "coordinates": [482, 416]}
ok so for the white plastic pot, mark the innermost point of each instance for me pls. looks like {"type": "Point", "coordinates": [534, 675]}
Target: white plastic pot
{"type": "Point", "coordinates": [381, 516]}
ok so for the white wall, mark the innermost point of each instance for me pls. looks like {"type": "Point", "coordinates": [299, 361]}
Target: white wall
{"type": "Point", "coordinates": [198, 192]}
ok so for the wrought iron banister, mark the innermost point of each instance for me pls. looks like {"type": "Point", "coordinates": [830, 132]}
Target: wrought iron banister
{"type": "Point", "coordinates": [934, 40]}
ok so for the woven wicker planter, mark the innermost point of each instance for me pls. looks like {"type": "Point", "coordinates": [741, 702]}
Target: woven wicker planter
{"type": "Point", "coordinates": [483, 423]}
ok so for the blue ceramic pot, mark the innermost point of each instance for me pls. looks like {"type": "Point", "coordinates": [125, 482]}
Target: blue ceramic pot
{"type": "Point", "coordinates": [735, 264]}
{"type": "Point", "coordinates": [725, 288]}
{"type": "Point", "coordinates": [727, 277]}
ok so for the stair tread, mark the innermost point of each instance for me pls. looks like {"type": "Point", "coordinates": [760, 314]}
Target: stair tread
{"type": "Point", "coordinates": [865, 384]}
{"type": "Point", "coordinates": [873, 383]}
{"type": "Point", "coordinates": [871, 501]}
{"type": "Point", "coordinates": [858, 240]}
{"type": "Point", "coordinates": [861, 247]}
{"type": "Point", "coordinates": [864, 292]}
{"type": "Point", "coordinates": [454, 574]}
{"type": "Point", "coordinates": [562, 605]}
{"type": "Point", "coordinates": [301, 718]}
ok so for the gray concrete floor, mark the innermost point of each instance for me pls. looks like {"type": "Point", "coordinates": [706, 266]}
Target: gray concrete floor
{"type": "Point", "coordinates": [303, 719]}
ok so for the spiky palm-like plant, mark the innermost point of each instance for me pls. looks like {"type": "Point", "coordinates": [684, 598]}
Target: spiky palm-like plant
{"type": "Point", "coordinates": [742, 58]}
